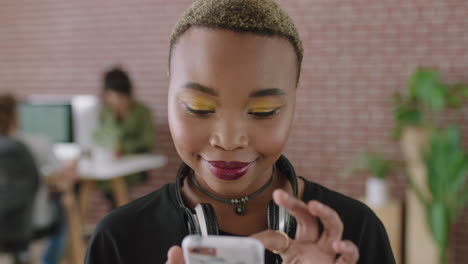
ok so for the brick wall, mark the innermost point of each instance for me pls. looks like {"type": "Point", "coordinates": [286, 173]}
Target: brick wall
{"type": "Point", "coordinates": [357, 54]}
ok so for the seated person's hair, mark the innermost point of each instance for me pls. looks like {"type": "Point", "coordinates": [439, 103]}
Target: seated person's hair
{"type": "Point", "coordinates": [262, 17]}
{"type": "Point", "coordinates": [7, 112]}
{"type": "Point", "coordinates": [117, 80]}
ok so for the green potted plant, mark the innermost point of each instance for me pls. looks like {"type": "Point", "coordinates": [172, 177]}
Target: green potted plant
{"type": "Point", "coordinates": [436, 164]}
{"type": "Point", "coordinates": [378, 168]}
{"type": "Point", "coordinates": [447, 174]}
{"type": "Point", "coordinates": [427, 96]}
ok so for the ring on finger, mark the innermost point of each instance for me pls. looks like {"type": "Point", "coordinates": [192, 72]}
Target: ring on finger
{"type": "Point", "coordinates": [287, 243]}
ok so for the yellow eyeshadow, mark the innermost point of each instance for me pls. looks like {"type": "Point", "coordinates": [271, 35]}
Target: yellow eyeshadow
{"type": "Point", "coordinates": [200, 103]}
{"type": "Point", "coordinates": [264, 106]}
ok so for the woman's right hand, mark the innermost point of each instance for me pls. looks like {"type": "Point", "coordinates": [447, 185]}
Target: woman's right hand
{"type": "Point", "coordinates": [175, 256]}
{"type": "Point", "coordinates": [309, 245]}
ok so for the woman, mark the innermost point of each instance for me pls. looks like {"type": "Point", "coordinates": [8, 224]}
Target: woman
{"type": "Point", "coordinates": [125, 125]}
{"type": "Point", "coordinates": [234, 68]}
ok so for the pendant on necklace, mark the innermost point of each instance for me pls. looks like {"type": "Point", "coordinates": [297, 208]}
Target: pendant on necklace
{"type": "Point", "coordinates": [239, 208]}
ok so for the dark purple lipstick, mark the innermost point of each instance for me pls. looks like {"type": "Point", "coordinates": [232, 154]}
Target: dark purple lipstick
{"type": "Point", "coordinates": [228, 171]}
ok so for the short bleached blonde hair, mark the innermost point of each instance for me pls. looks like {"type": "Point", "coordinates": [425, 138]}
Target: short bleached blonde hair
{"type": "Point", "coordinates": [262, 17]}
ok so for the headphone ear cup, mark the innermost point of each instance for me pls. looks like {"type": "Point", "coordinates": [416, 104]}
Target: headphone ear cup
{"type": "Point", "coordinates": [192, 223]}
{"type": "Point", "coordinates": [291, 231]}
{"type": "Point", "coordinates": [272, 215]}
{"type": "Point", "coordinates": [211, 219]}
{"type": "Point", "coordinates": [279, 219]}
{"type": "Point", "coordinates": [206, 218]}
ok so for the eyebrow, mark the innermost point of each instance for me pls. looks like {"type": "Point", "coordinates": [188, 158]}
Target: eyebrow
{"type": "Point", "coordinates": [258, 93]}
{"type": "Point", "coordinates": [201, 88]}
{"type": "Point", "coordinates": [267, 92]}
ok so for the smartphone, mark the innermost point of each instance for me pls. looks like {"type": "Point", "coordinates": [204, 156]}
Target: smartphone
{"type": "Point", "coordinates": [222, 250]}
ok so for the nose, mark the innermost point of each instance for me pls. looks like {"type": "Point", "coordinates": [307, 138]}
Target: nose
{"type": "Point", "coordinates": [229, 134]}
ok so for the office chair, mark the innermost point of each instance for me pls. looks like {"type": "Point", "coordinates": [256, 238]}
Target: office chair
{"type": "Point", "coordinates": [19, 180]}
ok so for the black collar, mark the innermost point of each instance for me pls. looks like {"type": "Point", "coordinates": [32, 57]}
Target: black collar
{"type": "Point", "coordinates": [283, 165]}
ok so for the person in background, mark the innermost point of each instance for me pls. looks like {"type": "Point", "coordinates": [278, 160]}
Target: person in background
{"type": "Point", "coordinates": [125, 125]}
{"type": "Point", "coordinates": [48, 217]}
{"type": "Point", "coordinates": [19, 181]}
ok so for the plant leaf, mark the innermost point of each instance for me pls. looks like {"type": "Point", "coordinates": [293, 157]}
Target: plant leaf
{"type": "Point", "coordinates": [425, 86]}
{"type": "Point", "coordinates": [418, 191]}
{"type": "Point", "coordinates": [437, 216]}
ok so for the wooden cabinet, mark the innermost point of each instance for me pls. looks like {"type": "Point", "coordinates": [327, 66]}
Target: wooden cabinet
{"type": "Point", "coordinates": [391, 215]}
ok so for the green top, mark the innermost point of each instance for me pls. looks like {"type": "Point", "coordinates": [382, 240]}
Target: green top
{"type": "Point", "coordinates": [134, 134]}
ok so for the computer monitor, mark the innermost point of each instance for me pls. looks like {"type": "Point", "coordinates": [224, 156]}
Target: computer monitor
{"type": "Point", "coordinates": [51, 119]}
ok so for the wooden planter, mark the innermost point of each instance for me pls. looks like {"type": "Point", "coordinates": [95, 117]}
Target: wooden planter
{"type": "Point", "coordinates": [420, 246]}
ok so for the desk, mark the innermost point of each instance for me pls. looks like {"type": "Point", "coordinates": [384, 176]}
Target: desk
{"type": "Point", "coordinates": [114, 171]}
{"type": "Point", "coordinates": [119, 167]}
{"type": "Point", "coordinates": [90, 172]}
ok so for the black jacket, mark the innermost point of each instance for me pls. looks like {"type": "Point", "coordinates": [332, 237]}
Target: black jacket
{"type": "Point", "coordinates": [144, 230]}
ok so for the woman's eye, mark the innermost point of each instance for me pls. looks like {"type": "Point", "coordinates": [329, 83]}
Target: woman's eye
{"type": "Point", "coordinates": [200, 112]}
{"type": "Point", "coordinates": [264, 114]}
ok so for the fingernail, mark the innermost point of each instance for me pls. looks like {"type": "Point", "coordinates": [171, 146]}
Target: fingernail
{"type": "Point", "coordinates": [342, 245]}
{"type": "Point", "coordinates": [281, 194]}
{"type": "Point", "coordinates": [315, 204]}
{"type": "Point", "coordinates": [336, 246]}
{"type": "Point", "coordinates": [320, 206]}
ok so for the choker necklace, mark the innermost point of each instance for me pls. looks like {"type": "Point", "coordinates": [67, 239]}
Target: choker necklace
{"type": "Point", "coordinates": [239, 204]}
